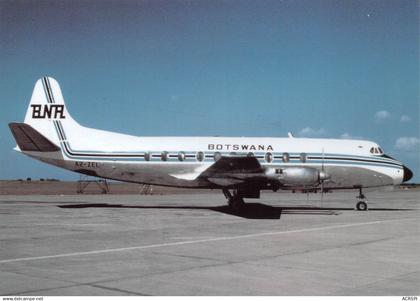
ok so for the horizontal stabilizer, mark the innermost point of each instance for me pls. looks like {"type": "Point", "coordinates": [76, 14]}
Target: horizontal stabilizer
{"type": "Point", "coordinates": [29, 139]}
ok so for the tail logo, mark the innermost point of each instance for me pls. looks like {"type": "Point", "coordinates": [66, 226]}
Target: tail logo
{"type": "Point", "coordinates": [49, 111]}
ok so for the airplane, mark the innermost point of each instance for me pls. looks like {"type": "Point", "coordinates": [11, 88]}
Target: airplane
{"type": "Point", "coordinates": [239, 166]}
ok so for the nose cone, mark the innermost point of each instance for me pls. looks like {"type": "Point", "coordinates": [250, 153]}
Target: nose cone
{"type": "Point", "coordinates": [323, 176]}
{"type": "Point", "coordinates": [408, 174]}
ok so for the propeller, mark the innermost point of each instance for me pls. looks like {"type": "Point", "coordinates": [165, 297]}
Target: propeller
{"type": "Point", "coordinates": [323, 176]}
{"type": "Point", "coordinates": [322, 173]}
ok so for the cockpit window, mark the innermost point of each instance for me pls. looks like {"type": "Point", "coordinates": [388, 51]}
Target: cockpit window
{"type": "Point", "coordinates": [376, 150]}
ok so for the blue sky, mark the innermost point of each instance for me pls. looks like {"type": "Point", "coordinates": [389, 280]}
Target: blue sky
{"type": "Point", "coordinates": [234, 68]}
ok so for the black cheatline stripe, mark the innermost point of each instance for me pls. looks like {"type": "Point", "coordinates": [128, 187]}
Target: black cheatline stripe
{"type": "Point", "coordinates": [66, 150]}
{"type": "Point", "coordinates": [353, 159]}
{"type": "Point", "coordinates": [57, 128]}
{"type": "Point", "coordinates": [100, 155]}
{"type": "Point", "coordinates": [345, 160]}
{"type": "Point", "coordinates": [44, 85]}
{"type": "Point", "coordinates": [341, 159]}
{"type": "Point", "coordinates": [60, 126]}
{"type": "Point", "coordinates": [50, 99]}
{"type": "Point", "coordinates": [48, 95]}
{"type": "Point", "coordinates": [47, 80]}
{"type": "Point", "coordinates": [60, 138]}
{"type": "Point", "coordinates": [61, 131]}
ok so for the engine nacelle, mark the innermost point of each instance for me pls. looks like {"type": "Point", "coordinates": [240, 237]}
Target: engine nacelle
{"type": "Point", "coordinates": [296, 176]}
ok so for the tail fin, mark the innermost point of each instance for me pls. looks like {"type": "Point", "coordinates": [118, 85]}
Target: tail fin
{"type": "Point", "coordinates": [47, 116]}
{"type": "Point", "coordinates": [47, 109]}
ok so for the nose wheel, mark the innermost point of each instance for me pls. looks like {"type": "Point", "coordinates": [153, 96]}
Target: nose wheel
{"type": "Point", "coordinates": [235, 201]}
{"type": "Point", "coordinates": [361, 205]}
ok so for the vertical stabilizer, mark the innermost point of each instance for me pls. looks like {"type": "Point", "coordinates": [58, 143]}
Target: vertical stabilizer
{"type": "Point", "coordinates": [47, 110]}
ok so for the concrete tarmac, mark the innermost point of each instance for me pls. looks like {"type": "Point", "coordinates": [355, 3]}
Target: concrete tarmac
{"type": "Point", "coordinates": [282, 244]}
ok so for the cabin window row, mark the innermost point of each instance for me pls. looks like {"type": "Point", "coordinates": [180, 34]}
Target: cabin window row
{"type": "Point", "coordinates": [200, 156]}
{"type": "Point", "coordinates": [285, 157]}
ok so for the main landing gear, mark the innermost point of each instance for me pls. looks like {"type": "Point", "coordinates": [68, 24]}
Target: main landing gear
{"type": "Point", "coordinates": [235, 201]}
{"type": "Point", "coordinates": [362, 203]}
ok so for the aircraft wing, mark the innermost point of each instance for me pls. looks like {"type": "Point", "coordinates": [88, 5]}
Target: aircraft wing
{"type": "Point", "coordinates": [232, 170]}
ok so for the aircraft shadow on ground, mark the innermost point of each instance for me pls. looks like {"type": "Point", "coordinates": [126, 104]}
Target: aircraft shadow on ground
{"type": "Point", "coordinates": [249, 211]}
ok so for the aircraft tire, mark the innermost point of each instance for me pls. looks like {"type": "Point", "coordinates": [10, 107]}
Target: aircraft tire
{"type": "Point", "coordinates": [361, 206]}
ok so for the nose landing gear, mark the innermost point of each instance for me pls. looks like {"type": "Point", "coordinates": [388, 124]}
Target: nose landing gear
{"type": "Point", "coordinates": [361, 205]}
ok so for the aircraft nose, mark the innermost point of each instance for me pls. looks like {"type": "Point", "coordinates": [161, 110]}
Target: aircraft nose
{"type": "Point", "coordinates": [408, 174]}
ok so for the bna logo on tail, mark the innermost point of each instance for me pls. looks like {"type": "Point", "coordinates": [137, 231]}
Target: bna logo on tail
{"type": "Point", "coordinates": [45, 114]}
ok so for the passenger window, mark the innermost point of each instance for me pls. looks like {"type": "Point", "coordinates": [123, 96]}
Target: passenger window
{"type": "Point", "coordinates": [285, 157]}
{"type": "Point", "coordinates": [200, 156]}
{"type": "Point", "coordinates": [217, 156]}
{"type": "Point", "coordinates": [164, 156]}
{"type": "Point", "coordinates": [303, 157]}
{"type": "Point", "coordinates": [147, 156]}
{"type": "Point", "coordinates": [269, 157]}
{"type": "Point", "coordinates": [181, 156]}
{"type": "Point", "coordinates": [250, 154]}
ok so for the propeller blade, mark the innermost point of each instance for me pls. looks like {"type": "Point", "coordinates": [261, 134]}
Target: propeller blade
{"type": "Point", "coordinates": [323, 176]}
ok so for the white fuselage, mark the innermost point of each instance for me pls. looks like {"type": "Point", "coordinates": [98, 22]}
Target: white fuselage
{"type": "Point", "coordinates": [50, 134]}
{"type": "Point", "coordinates": [177, 161]}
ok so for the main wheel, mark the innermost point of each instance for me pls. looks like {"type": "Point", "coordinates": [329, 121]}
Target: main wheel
{"type": "Point", "coordinates": [361, 206]}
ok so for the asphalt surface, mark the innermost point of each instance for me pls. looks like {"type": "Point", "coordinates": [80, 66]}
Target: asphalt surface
{"type": "Point", "coordinates": [282, 244]}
